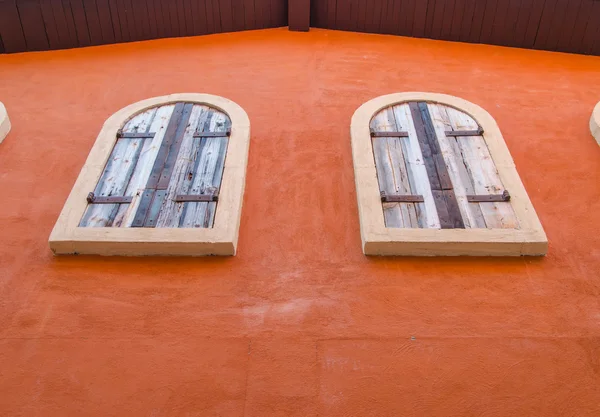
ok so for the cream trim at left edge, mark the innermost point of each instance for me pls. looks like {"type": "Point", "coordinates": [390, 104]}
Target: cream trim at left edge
{"type": "Point", "coordinates": [68, 238]}
{"type": "Point", "coordinates": [4, 122]}
{"type": "Point", "coordinates": [595, 123]}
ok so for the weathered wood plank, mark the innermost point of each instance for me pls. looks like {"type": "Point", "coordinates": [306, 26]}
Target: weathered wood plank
{"type": "Point", "coordinates": [117, 173]}
{"type": "Point", "coordinates": [140, 176]}
{"type": "Point", "coordinates": [482, 170]}
{"type": "Point", "coordinates": [417, 172]}
{"type": "Point", "coordinates": [463, 185]}
{"type": "Point", "coordinates": [450, 216]}
{"type": "Point", "coordinates": [171, 210]}
{"type": "Point", "coordinates": [207, 174]}
{"type": "Point", "coordinates": [391, 171]}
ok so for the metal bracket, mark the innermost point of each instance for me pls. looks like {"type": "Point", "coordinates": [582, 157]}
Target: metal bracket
{"type": "Point", "coordinates": [93, 199]}
{"type": "Point", "coordinates": [491, 198]}
{"type": "Point", "coordinates": [196, 198]}
{"type": "Point", "coordinates": [455, 133]}
{"type": "Point", "coordinates": [397, 198]}
{"type": "Point", "coordinates": [400, 134]}
{"type": "Point", "coordinates": [223, 134]}
{"type": "Point", "coordinates": [122, 135]}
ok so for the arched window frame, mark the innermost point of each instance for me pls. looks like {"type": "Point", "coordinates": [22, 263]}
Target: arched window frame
{"type": "Point", "coordinates": [68, 238]}
{"type": "Point", "coordinates": [4, 122]}
{"type": "Point", "coordinates": [529, 239]}
{"type": "Point", "coordinates": [595, 123]}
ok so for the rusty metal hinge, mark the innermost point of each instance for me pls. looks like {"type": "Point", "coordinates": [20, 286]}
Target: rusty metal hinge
{"type": "Point", "coordinates": [196, 198]}
{"type": "Point", "coordinates": [455, 133]}
{"type": "Point", "coordinates": [93, 199]}
{"type": "Point", "coordinates": [122, 135]}
{"type": "Point", "coordinates": [399, 134]}
{"type": "Point", "coordinates": [398, 198]}
{"type": "Point", "coordinates": [489, 198]}
{"type": "Point", "coordinates": [223, 134]}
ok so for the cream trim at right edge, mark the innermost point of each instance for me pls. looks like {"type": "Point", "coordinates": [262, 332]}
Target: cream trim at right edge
{"type": "Point", "coordinates": [4, 122]}
{"type": "Point", "coordinates": [595, 123]}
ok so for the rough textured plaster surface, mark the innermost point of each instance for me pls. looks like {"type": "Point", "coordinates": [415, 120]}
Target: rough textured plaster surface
{"type": "Point", "coordinates": [300, 322]}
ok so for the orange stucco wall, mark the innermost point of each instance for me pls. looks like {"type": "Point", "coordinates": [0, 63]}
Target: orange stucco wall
{"type": "Point", "coordinates": [299, 323]}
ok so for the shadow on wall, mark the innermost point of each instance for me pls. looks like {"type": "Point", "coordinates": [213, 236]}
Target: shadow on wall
{"type": "Point", "coordinates": [4, 122]}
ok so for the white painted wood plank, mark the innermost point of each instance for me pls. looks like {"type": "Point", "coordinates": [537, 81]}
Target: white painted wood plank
{"type": "Point", "coordinates": [118, 172]}
{"type": "Point", "coordinates": [416, 165]}
{"type": "Point", "coordinates": [483, 172]}
{"type": "Point", "coordinates": [461, 181]}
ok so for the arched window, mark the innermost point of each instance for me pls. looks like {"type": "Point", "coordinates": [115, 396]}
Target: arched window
{"type": "Point", "coordinates": [434, 177]}
{"type": "Point", "coordinates": [4, 123]}
{"type": "Point", "coordinates": [595, 123]}
{"type": "Point", "coordinates": [165, 177]}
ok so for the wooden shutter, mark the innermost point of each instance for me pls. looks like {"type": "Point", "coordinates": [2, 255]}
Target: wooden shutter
{"type": "Point", "coordinates": [165, 170]}
{"type": "Point", "coordinates": [435, 170]}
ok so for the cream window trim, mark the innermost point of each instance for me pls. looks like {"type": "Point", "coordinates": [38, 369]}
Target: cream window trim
{"type": "Point", "coordinates": [529, 239]}
{"type": "Point", "coordinates": [68, 238]}
{"type": "Point", "coordinates": [595, 123]}
{"type": "Point", "coordinates": [4, 122]}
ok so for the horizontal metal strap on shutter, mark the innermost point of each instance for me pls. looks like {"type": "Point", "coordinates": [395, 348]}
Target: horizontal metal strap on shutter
{"type": "Point", "coordinates": [490, 198]}
{"type": "Point", "coordinates": [223, 134]}
{"type": "Point", "coordinates": [93, 199]}
{"type": "Point", "coordinates": [455, 133]}
{"type": "Point", "coordinates": [399, 134]}
{"type": "Point", "coordinates": [401, 198]}
{"type": "Point", "coordinates": [196, 198]}
{"type": "Point", "coordinates": [147, 135]}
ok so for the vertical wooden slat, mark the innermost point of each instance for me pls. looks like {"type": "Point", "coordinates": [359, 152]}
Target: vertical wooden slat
{"type": "Point", "coordinates": [32, 23]}
{"type": "Point", "coordinates": [50, 25]}
{"type": "Point", "coordinates": [117, 173]}
{"type": "Point", "coordinates": [207, 172]}
{"type": "Point", "coordinates": [420, 18]}
{"type": "Point", "coordinates": [569, 23]}
{"type": "Point", "coordinates": [463, 185]}
{"type": "Point", "coordinates": [210, 18]}
{"type": "Point", "coordinates": [447, 17]}
{"type": "Point", "coordinates": [499, 29]}
{"type": "Point", "coordinates": [140, 176]}
{"type": "Point", "coordinates": [250, 15]}
{"type": "Point", "coordinates": [237, 8]}
{"type": "Point", "coordinates": [93, 22]}
{"type": "Point", "coordinates": [467, 20]}
{"type": "Point", "coordinates": [419, 181]}
{"type": "Point", "coordinates": [591, 35]}
{"type": "Point", "coordinates": [459, 11]}
{"type": "Point", "coordinates": [583, 18]}
{"type": "Point", "coordinates": [152, 22]}
{"type": "Point", "coordinates": [225, 7]}
{"type": "Point", "coordinates": [545, 25]}
{"type": "Point", "coordinates": [392, 173]}
{"type": "Point", "coordinates": [175, 144]}
{"type": "Point", "coordinates": [81, 27]}
{"type": "Point", "coordinates": [483, 172]}
{"type": "Point", "coordinates": [437, 19]}
{"type": "Point", "coordinates": [105, 20]}
{"type": "Point", "coordinates": [10, 27]}
{"type": "Point", "coordinates": [171, 210]}
{"type": "Point", "coordinates": [537, 9]}
{"type": "Point", "coordinates": [439, 179]}
{"type": "Point", "coordinates": [477, 22]}
{"type": "Point", "coordinates": [487, 24]}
